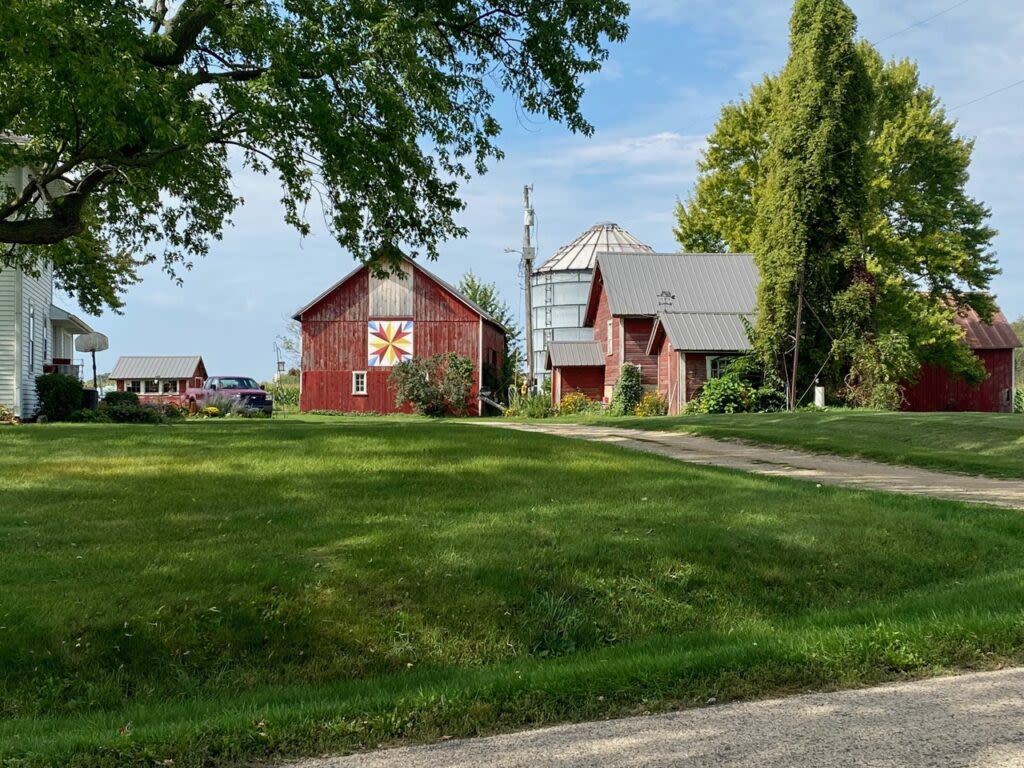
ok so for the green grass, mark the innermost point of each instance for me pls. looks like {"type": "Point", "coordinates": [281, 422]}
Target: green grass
{"type": "Point", "coordinates": [971, 443]}
{"type": "Point", "coordinates": [221, 592]}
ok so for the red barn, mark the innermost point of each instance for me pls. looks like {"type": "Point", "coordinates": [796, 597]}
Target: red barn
{"type": "Point", "coordinates": [355, 332]}
{"type": "Point", "coordinates": [993, 343]}
{"type": "Point", "coordinates": [679, 317]}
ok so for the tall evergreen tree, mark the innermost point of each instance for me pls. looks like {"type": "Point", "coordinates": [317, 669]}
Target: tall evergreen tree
{"type": "Point", "coordinates": [807, 241]}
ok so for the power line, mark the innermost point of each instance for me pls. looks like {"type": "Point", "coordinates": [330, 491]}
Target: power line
{"type": "Point", "coordinates": [922, 22]}
{"type": "Point", "coordinates": [897, 33]}
{"type": "Point", "coordinates": [987, 95]}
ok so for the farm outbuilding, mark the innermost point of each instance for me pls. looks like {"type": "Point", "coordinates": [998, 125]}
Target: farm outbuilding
{"type": "Point", "coordinates": [679, 317]}
{"type": "Point", "coordinates": [994, 344]}
{"type": "Point", "coordinates": [158, 378]}
{"type": "Point", "coordinates": [356, 331]}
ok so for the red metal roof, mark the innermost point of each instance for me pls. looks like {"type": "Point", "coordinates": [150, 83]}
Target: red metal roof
{"type": "Point", "coordinates": [981, 335]}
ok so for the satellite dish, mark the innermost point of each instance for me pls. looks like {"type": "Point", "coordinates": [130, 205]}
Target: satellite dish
{"type": "Point", "coordinates": [92, 342]}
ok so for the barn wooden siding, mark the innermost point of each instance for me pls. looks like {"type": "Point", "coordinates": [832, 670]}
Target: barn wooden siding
{"type": "Point", "coordinates": [585, 380]}
{"type": "Point", "coordinates": [636, 335]}
{"type": "Point", "coordinates": [937, 390]}
{"type": "Point", "coordinates": [334, 339]}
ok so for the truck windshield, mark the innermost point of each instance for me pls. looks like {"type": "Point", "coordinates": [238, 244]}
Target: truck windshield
{"type": "Point", "coordinates": [238, 383]}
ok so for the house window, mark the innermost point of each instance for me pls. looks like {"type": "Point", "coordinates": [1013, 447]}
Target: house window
{"type": "Point", "coordinates": [170, 387]}
{"type": "Point", "coordinates": [718, 364]}
{"type": "Point", "coordinates": [151, 387]}
{"type": "Point", "coordinates": [608, 339]}
{"type": "Point", "coordinates": [31, 338]}
{"type": "Point", "coordinates": [197, 382]}
{"type": "Point", "coordinates": [133, 386]}
{"type": "Point", "coordinates": [358, 382]}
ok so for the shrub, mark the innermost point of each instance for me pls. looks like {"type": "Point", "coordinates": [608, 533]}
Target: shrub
{"type": "Point", "coordinates": [89, 416]}
{"type": "Point", "coordinates": [530, 407]}
{"type": "Point", "coordinates": [651, 404]}
{"type": "Point", "coordinates": [6, 415]}
{"type": "Point", "coordinates": [134, 414]}
{"type": "Point", "coordinates": [59, 395]}
{"type": "Point", "coordinates": [284, 393]}
{"type": "Point", "coordinates": [121, 398]}
{"type": "Point", "coordinates": [1018, 401]}
{"type": "Point", "coordinates": [628, 391]}
{"type": "Point", "coordinates": [726, 395]}
{"type": "Point", "coordinates": [577, 402]}
{"type": "Point", "coordinates": [434, 386]}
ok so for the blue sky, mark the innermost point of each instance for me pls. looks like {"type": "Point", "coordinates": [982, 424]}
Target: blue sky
{"type": "Point", "coordinates": [652, 106]}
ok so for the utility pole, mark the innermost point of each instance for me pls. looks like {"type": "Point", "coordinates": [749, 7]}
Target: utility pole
{"type": "Point", "coordinates": [529, 253]}
{"type": "Point", "coordinates": [796, 347]}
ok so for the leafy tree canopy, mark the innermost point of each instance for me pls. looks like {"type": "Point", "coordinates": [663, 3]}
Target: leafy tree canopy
{"type": "Point", "coordinates": [375, 110]}
{"type": "Point", "coordinates": [926, 242]}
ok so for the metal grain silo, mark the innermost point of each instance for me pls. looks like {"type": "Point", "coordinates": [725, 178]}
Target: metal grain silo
{"type": "Point", "coordinates": [561, 284]}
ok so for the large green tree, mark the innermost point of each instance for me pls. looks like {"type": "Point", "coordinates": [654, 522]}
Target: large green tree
{"type": "Point", "coordinates": [926, 241]}
{"type": "Point", "coordinates": [806, 238]}
{"type": "Point", "coordinates": [128, 115]}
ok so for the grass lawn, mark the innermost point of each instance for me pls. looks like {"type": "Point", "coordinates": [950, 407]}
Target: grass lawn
{"type": "Point", "coordinates": [221, 592]}
{"type": "Point", "coordinates": [972, 443]}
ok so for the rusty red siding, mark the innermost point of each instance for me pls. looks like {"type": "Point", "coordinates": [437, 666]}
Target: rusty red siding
{"type": "Point", "coordinates": [636, 335]}
{"type": "Point", "coordinates": [696, 373]}
{"type": "Point", "coordinates": [334, 343]}
{"type": "Point", "coordinates": [586, 380]}
{"type": "Point", "coordinates": [937, 390]}
{"type": "Point", "coordinates": [602, 316]}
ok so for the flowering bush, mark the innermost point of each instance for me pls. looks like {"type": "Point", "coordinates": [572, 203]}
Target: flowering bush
{"type": "Point", "coordinates": [211, 412]}
{"type": "Point", "coordinates": [6, 415]}
{"type": "Point", "coordinates": [652, 404]}
{"type": "Point", "coordinates": [577, 402]}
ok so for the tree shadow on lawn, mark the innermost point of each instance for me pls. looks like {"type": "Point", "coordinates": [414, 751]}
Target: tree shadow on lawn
{"type": "Point", "coordinates": [184, 561]}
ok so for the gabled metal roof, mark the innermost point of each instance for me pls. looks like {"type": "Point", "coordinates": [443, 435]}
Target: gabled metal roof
{"type": "Point", "coordinates": [156, 367]}
{"type": "Point", "coordinates": [978, 334]}
{"type": "Point", "coordinates": [647, 284]}
{"type": "Point", "coordinates": [702, 332]}
{"type": "Point", "coordinates": [581, 253]}
{"type": "Point", "coordinates": [574, 354]}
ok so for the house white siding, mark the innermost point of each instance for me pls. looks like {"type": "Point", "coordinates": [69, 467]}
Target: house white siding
{"type": "Point", "coordinates": [10, 283]}
{"type": "Point", "coordinates": [9, 379]}
{"type": "Point", "coordinates": [26, 334]}
{"type": "Point", "coordinates": [36, 333]}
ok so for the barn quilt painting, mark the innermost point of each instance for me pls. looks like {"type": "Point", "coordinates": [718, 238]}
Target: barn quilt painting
{"type": "Point", "coordinates": [389, 342]}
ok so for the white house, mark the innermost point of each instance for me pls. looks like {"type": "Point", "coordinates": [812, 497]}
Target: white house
{"type": "Point", "coordinates": [36, 336]}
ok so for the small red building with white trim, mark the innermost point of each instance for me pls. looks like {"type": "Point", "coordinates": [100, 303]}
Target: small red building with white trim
{"type": "Point", "coordinates": [356, 331]}
{"type": "Point", "coordinates": [158, 378]}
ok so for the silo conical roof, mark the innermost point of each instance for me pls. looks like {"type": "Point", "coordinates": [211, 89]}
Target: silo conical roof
{"type": "Point", "coordinates": [581, 253]}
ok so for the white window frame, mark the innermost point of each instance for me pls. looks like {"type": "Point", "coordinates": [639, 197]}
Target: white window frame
{"type": "Point", "coordinates": [145, 386]}
{"type": "Point", "coordinates": [169, 386]}
{"type": "Point", "coordinates": [609, 346]}
{"type": "Point", "coordinates": [136, 383]}
{"type": "Point", "coordinates": [31, 338]}
{"type": "Point", "coordinates": [710, 364]}
{"type": "Point", "coordinates": [355, 384]}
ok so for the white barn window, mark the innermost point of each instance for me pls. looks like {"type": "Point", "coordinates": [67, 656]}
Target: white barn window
{"type": "Point", "coordinates": [358, 382]}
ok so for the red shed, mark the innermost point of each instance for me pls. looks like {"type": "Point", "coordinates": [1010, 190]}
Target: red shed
{"type": "Point", "coordinates": [994, 343]}
{"type": "Point", "coordinates": [158, 378]}
{"type": "Point", "coordinates": [358, 329]}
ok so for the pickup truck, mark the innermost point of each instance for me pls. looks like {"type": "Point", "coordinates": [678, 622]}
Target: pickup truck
{"type": "Point", "coordinates": [246, 391]}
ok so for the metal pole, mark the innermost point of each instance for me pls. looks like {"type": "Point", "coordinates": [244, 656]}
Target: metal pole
{"type": "Point", "coordinates": [796, 348]}
{"type": "Point", "coordinates": [528, 272]}
{"type": "Point", "coordinates": [95, 381]}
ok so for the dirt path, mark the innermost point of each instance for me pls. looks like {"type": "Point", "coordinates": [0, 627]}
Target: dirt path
{"type": "Point", "coordinates": [974, 721]}
{"type": "Point", "coordinates": [786, 462]}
